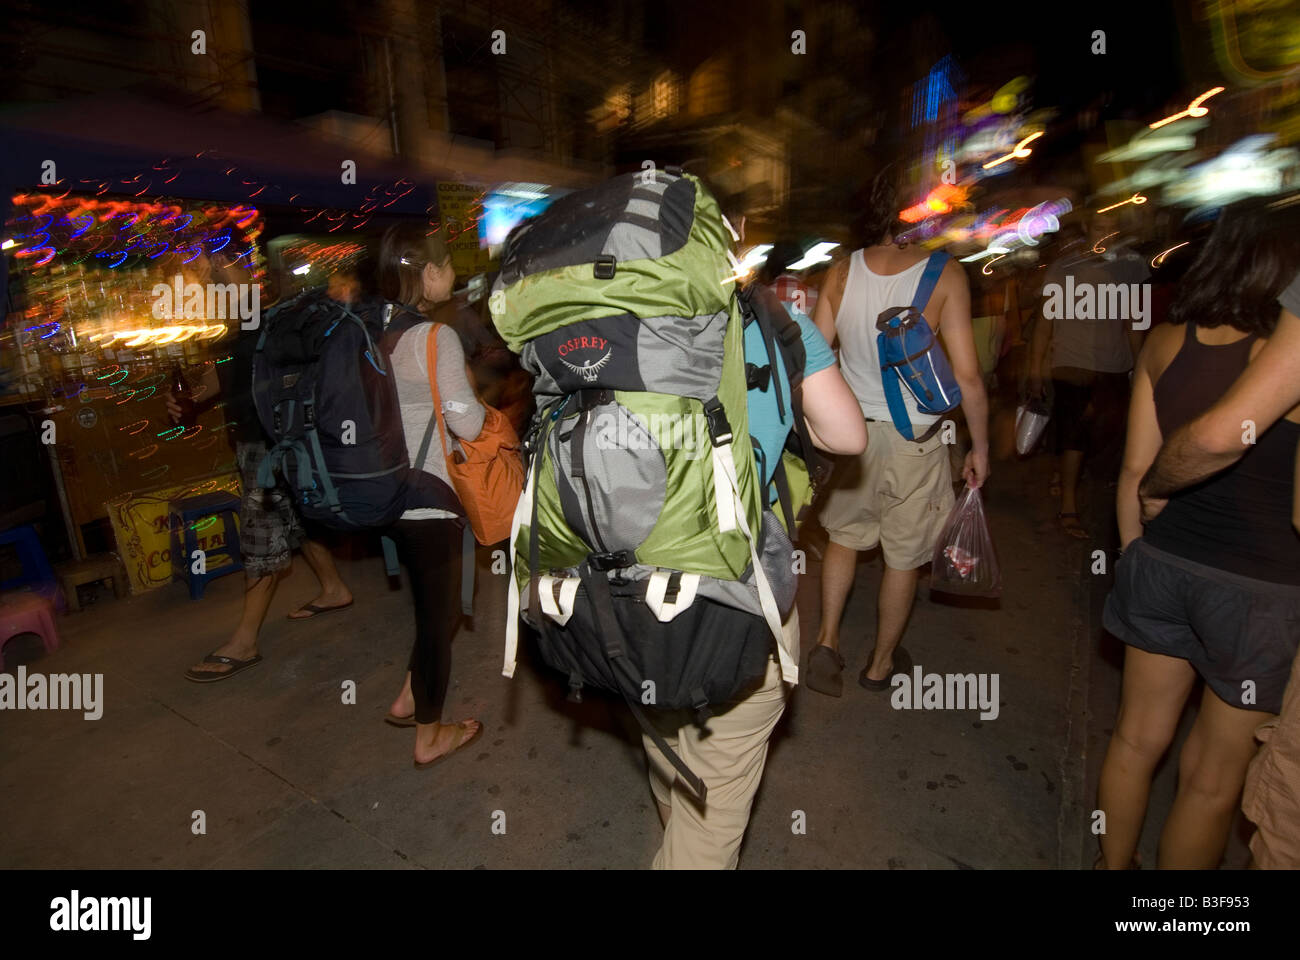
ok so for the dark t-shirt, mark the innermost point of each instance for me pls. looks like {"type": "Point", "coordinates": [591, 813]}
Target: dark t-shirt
{"type": "Point", "coordinates": [236, 378]}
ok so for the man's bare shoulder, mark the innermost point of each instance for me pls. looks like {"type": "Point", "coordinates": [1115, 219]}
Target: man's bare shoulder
{"type": "Point", "coordinates": [954, 273]}
{"type": "Point", "coordinates": [836, 272]}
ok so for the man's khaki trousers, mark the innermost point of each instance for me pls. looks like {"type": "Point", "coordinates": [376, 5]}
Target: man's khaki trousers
{"type": "Point", "coordinates": [730, 762]}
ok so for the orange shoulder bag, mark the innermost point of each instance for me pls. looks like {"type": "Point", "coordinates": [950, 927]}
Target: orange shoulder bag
{"type": "Point", "coordinates": [486, 472]}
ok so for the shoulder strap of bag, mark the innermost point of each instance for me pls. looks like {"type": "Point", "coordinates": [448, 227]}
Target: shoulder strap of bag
{"type": "Point", "coordinates": [431, 361]}
{"type": "Point", "coordinates": [467, 536]}
{"type": "Point", "coordinates": [929, 280]}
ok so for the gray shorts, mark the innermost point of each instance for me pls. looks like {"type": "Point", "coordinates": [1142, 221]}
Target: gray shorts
{"type": "Point", "coordinates": [269, 527]}
{"type": "Point", "coordinates": [1239, 633]}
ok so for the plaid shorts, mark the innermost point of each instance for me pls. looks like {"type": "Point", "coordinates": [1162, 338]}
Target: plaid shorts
{"type": "Point", "coordinates": [269, 527]}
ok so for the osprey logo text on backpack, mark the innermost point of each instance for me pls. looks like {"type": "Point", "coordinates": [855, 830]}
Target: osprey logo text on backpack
{"type": "Point", "coordinates": [582, 348]}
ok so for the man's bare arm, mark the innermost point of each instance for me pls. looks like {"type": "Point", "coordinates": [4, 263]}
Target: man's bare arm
{"type": "Point", "coordinates": [1264, 393]}
{"type": "Point", "coordinates": [828, 304]}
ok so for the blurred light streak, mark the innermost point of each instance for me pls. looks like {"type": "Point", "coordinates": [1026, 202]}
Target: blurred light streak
{"type": "Point", "coordinates": [1021, 151]}
{"type": "Point", "coordinates": [1159, 258]}
{"type": "Point", "coordinates": [1098, 248]}
{"type": "Point", "coordinates": [1194, 109]}
{"type": "Point", "coordinates": [1137, 200]}
{"type": "Point", "coordinates": [819, 253]}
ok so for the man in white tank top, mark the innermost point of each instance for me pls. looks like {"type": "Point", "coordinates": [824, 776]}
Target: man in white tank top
{"type": "Point", "coordinates": [898, 493]}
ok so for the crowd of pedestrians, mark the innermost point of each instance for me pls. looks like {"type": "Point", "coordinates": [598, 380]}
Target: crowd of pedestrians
{"type": "Point", "coordinates": [1208, 586]}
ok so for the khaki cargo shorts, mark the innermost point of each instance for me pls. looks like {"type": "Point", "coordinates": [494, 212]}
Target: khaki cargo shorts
{"type": "Point", "coordinates": [896, 493]}
{"type": "Point", "coordinates": [1272, 795]}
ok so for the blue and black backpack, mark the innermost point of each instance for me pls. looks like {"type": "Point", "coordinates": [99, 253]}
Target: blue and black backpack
{"type": "Point", "coordinates": [326, 396]}
{"type": "Point", "coordinates": [910, 355]}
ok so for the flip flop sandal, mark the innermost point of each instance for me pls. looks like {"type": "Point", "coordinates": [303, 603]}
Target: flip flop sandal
{"type": "Point", "coordinates": [902, 664]}
{"type": "Point", "coordinates": [315, 611]}
{"type": "Point", "coordinates": [465, 741]}
{"type": "Point", "coordinates": [825, 671]}
{"type": "Point", "coordinates": [395, 720]}
{"type": "Point", "coordinates": [212, 676]}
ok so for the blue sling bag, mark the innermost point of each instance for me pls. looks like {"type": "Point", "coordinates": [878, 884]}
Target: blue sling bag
{"type": "Point", "coordinates": [910, 355]}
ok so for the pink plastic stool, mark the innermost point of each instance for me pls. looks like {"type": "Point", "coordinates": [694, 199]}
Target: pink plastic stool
{"type": "Point", "coordinates": [27, 613]}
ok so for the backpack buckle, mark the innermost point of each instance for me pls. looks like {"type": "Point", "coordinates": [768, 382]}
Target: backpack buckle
{"type": "Point", "coordinates": [308, 414]}
{"type": "Point", "coordinates": [604, 267]}
{"type": "Point", "coordinates": [756, 377]}
{"type": "Point", "coordinates": [897, 318]}
{"type": "Point", "coordinates": [605, 562]}
{"type": "Point", "coordinates": [719, 426]}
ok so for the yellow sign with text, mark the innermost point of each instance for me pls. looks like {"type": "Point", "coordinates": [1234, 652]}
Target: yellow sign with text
{"type": "Point", "coordinates": [140, 526]}
{"type": "Point", "coordinates": [460, 210]}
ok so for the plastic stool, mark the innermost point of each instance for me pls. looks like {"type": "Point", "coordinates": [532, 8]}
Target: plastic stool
{"type": "Point", "coordinates": [36, 567]}
{"type": "Point", "coordinates": [27, 613]}
{"type": "Point", "coordinates": [91, 570]}
{"type": "Point", "coordinates": [182, 517]}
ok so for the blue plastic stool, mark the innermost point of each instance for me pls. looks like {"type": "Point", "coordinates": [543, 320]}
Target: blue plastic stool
{"type": "Point", "coordinates": [182, 515]}
{"type": "Point", "coordinates": [36, 566]}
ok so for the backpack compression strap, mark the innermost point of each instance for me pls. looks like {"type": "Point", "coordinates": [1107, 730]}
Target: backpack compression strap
{"type": "Point", "coordinates": [731, 516]}
{"type": "Point", "coordinates": [525, 512]}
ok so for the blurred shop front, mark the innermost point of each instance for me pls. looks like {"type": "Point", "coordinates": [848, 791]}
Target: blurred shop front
{"type": "Point", "coordinates": [140, 242]}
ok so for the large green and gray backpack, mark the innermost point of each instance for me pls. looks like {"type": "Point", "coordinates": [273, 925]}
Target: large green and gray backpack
{"type": "Point", "coordinates": [642, 548]}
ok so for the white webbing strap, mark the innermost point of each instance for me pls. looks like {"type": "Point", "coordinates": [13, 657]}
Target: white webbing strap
{"type": "Point", "coordinates": [722, 494]}
{"type": "Point", "coordinates": [559, 612]}
{"type": "Point", "coordinates": [522, 509]}
{"type": "Point", "coordinates": [789, 664]}
{"type": "Point", "coordinates": [658, 586]}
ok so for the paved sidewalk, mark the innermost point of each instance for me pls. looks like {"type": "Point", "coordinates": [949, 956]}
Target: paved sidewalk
{"type": "Point", "coordinates": [287, 775]}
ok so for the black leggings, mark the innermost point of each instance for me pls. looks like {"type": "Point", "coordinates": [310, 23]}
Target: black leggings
{"type": "Point", "coordinates": [430, 550]}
